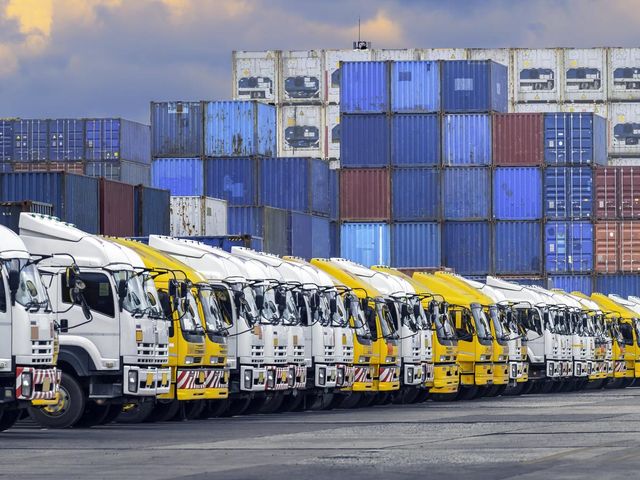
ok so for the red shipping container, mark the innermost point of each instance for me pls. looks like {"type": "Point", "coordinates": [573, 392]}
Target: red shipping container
{"type": "Point", "coordinates": [518, 139]}
{"type": "Point", "coordinates": [629, 181]}
{"type": "Point", "coordinates": [606, 205]}
{"type": "Point", "coordinates": [116, 208]}
{"type": "Point", "coordinates": [365, 194]}
{"type": "Point", "coordinates": [69, 167]}
{"type": "Point", "coordinates": [629, 246]}
{"type": "Point", "coordinates": [607, 247]}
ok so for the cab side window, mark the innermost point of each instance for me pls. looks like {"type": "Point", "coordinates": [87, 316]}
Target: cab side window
{"type": "Point", "coordinates": [3, 297]}
{"type": "Point", "coordinates": [98, 293]}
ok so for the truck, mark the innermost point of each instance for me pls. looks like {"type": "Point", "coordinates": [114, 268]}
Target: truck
{"type": "Point", "coordinates": [633, 313]}
{"type": "Point", "coordinates": [118, 354]}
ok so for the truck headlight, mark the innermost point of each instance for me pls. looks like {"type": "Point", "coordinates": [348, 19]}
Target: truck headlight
{"type": "Point", "coordinates": [271, 379]}
{"type": "Point", "coordinates": [410, 375]}
{"type": "Point", "coordinates": [188, 360]}
{"type": "Point", "coordinates": [248, 379]}
{"type": "Point", "coordinates": [388, 360]}
{"type": "Point", "coordinates": [514, 370]}
{"type": "Point", "coordinates": [322, 376]}
{"type": "Point", "coordinates": [27, 384]}
{"type": "Point", "coordinates": [291, 378]}
{"type": "Point", "coordinates": [132, 381]}
{"type": "Point", "coordinates": [340, 376]}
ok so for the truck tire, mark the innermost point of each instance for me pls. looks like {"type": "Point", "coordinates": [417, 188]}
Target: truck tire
{"type": "Point", "coordinates": [239, 406]}
{"type": "Point", "coordinates": [112, 414]}
{"type": "Point", "coordinates": [272, 403]}
{"type": "Point", "coordinates": [293, 403]}
{"type": "Point", "coordinates": [351, 400]}
{"type": "Point", "coordinates": [93, 415]}
{"type": "Point", "coordinates": [8, 418]}
{"type": "Point", "coordinates": [444, 397]}
{"type": "Point", "coordinates": [517, 389]}
{"type": "Point", "coordinates": [69, 409]}
{"type": "Point", "coordinates": [136, 413]}
{"type": "Point", "coordinates": [215, 408]}
{"type": "Point", "coordinates": [467, 393]}
{"type": "Point", "coordinates": [190, 410]}
{"type": "Point", "coordinates": [164, 411]}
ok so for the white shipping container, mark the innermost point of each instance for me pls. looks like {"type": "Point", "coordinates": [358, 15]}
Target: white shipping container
{"type": "Point", "coordinates": [537, 74]}
{"type": "Point", "coordinates": [624, 162]}
{"type": "Point", "coordinates": [198, 216]}
{"type": "Point", "coordinates": [624, 129]}
{"type": "Point", "coordinates": [255, 75]}
{"type": "Point", "coordinates": [585, 72]}
{"type": "Point", "coordinates": [443, 53]}
{"type": "Point", "coordinates": [397, 55]}
{"type": "Point", "coordinates": [537, 107]}
{"type": "Point", "coordinates": [302, 76]}
{"type": "Point", "coordinates": [601, 109]}
{"type": "Point", "coordinates": [624, 74]}
{"type": "Point", "coordinates": [300, 128]}
{"type": "Point", "coordinates": [332, 131]}
{"type": "Point", "coordinates": [332, 59]}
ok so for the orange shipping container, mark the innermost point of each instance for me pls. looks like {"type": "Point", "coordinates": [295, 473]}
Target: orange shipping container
{"type": "Point", "coordinates": [365, 194]}
{"type": "Point", "coordinates": [630, 192]}
{"type": "Point", "coordinates": [607, 249]}
{"type": "Point", "coordinates": [630, 246]}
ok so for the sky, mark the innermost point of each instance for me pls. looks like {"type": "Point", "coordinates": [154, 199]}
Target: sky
{"type": "Point", "coordinates": [102, 58]}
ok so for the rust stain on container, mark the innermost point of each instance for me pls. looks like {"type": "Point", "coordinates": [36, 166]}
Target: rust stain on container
{"type": "Point", "coordinates": [606, 190]}
{"type": "Point", "coordinates": [365, 194]}
{"type": "Point", "coordinates": [116, 208]}
{"type": "Point", "coordinates": [69, 167]}
{"type": "Point", "coordinates": [607, 237]}
{"type": "Point", "coordinates": [629, 246]}
{"type": "Point", "coordinates": [518, 139]}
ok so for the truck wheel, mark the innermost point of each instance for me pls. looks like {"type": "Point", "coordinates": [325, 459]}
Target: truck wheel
{"type": "Point", "coordinates": [517, 389]}
{"type": "Point", "coordinates": [293, 403]}
{"type": "Point", "coordinates": [367, 400]}
{"type": "Point", "coordinates": [164, 411]}
{"type": "Point", "coordinates": [69, 409]}
{"type": "Point", "coordinates": [444, 397]}
{"type": "Point", "coordinates": [351, 400]}
{"type": "Point", "coordinates": [190, 410]}
{"type": "Point", "coordinates": [93, 415]}
{"type": "Point", "coordinates": [272, 403]}
{"type": "Point", "coordinates": [8, 418]}
{"type": "Point", "coordinates": [404, 396]}
{"type": "Point", "coordinates": [496, 391]}
{"type": "Point", "coordinates": [215, 408]}
{"type": "Point", "coordinates": [243, 406]}
{"type": "Point", "coordinates": [467, 393]}
{"type": "Point", "coordinates": [112, 414]}
{"type": "Point", "coordinates": [423, 396]}
{"type": "Point", "coordinates": [135, 413]}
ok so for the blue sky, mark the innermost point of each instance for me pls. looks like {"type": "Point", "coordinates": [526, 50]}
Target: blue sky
{"type": "Point", "coordinates": [74, 58]}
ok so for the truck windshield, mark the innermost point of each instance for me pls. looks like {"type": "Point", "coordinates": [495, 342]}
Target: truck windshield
{"type": "Point", "coordinates": [340, 317]}
{"type": "Point", "coordinates": [213, 318]}
{"type": "Point", "coordinates": [401, 307]}
{"type": "Point", "coordinates": [323, 311]}
{"type": "Point", "coordinates": [481, 323]}
{"type": "Point", "coordinates": [31, 293]}
{"type": "Point", "coordinates": [135, 299]}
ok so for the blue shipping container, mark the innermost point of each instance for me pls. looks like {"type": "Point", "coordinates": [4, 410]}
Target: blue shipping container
{"type": "Point", "coordinates": [301, 234]}
{"type": "Point", "coordinates": [517, 193]}
{"type": "Point", "coordinates": [466, 193]}
{"type": "Point", "coordinates": [177, 129]}
{"type": "Point", "coordinates": [284, 183]}
{"type": "Point", "coordinates": [466, 247]}
{"type": "Point", "coordinates": [467, 139]}
{"type": "Point", "coordinates": [365, 243]}
{"type": "Point", "coordinates": [66, 140]}
{"type": "Point", "coordinates": [181, 176]}
{"type": "Point", "coordinates": [133, 173]}
{"type": "Point", "coordinates": [233, 179]}
{"type": "Point", "coordinates": [415, 245]}
{"type": "Point", "coordinates": [6, 140]}
{"type": "Point", "coordinates": [415, 139]}
{"type": "Point", "coordinates": [152, 215]}
{"type": "Point", "coordinates": [474, 86]}
{"type": "Point", "coordinates": [415, 87]}
{"type": "Point", "coordinates": [334, 240]}
{"type": "Point", "coordinates": [573, 283]}
{"type": "Point", "coordinates": [321, 237]}
{"type": "Point", "coordinates": [74, 197]}
{"type": "Point", "coordinates": [415, 194]}
{"type": "Point", "coordinates": [575, 139]}
{"type": "Point", "coordinates": [114, 139]}
{"type": "Point", "coordinates": [334, 194]}
{"type": "Point", "coordinates": [319, 192]}
{"type": "Point", "coordinates": [239, 129]}
{"type": "Point", "coordinates": [624, 285]}
{"type": "Point", "coordinates": [271, 224]}
{"type": "Point", "coordinates": [568, 192]}
{"type": "Point", "coordinates": [365, 141]}
{"type": "Point", "coordinates": [518, 248]}
{"type": "Point", "coordinates": [568, 247]}
{"type": "Point", "coordinates": [31, 140]}
{"type": "Point", "coordinates": [364, 87]}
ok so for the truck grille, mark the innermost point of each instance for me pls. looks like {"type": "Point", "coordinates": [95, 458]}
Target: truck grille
{"type": "Point", "coordinates": [41, 351]}
{"type": "Point", "coordinates": [257, 350]}
{"type": "Point", "coordinates": [298, 351]}
{"type": "Point", "coordinates": [162, 352]}
{"type": "Point", "coordinates": [146, 352]}
{"type": "Point", "coordinates": [280, 351]}
{"type": "Point", "coordinates": [329, 350]}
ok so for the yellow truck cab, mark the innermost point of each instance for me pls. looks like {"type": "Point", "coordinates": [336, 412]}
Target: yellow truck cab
{"type": "Point", "coordinates": [197, 344]}
{"type": "Point", "coordinates": [632, 319]}
{"type": "Point", "coordinates": [375, 355]}
{"type": "Point", "coordinates": [475, 342]}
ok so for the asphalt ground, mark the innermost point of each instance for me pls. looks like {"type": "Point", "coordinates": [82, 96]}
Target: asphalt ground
{"type": "Point", "coordinates": [557, 436]}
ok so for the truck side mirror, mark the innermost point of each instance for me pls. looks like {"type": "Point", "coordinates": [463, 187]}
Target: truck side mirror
{"type": "Point", "coordinates": [333, 306]}
{"type": "Point", "coordinates": [173, 288]}
{"type": "Point", "coordinates": [417, 311]}
{"type": "Point", "coordinates": [122, 288]}
{"type": "Point", "coordinates": [14, 282]}
{"type": "Point", "coordinates": [371, 320]}
{"type": "Point", "coordinates": [259, 301]}
{"type": "Point", "coordinates": [184, 289]}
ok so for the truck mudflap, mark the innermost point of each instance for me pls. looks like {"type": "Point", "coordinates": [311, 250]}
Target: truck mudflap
{"type": "Point", "coordinates": [253, 379]}
{"type": "Point", "coordinates": [146, 381]}
{"type": "Point", "coordinates": [278, 378]}
{"type": "Point", "coordinates": [345, 376]}
{"type": "Point", "coordinates": [37, 383]}
{"type": "Point", "coordinates": [299, 374]}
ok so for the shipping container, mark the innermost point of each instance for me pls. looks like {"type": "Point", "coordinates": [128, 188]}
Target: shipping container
{"type": "Point", "coordinates": [572, 283]}
{"type": "Point", "coordinates": [517, 139]}
{"type": "Point", "coordinates": [75, 198]}
{"type": "Point", "coordinates": [226, 242]}
{"type": "Point", "coordinates": [568, 247]}
{"type": "Point", "coordinates": [517, 193]}
{"type": "Point", "coordinates": [31, 140]}
{"type": "Point", "coordinates": [539, 281]}
{"type": "Point", "coordinates": [202, 216]}
{"type": "Point", "coordinates": [233, 179]}
{"type": "Point", "coordinates": [321, 237]}
{"type": "Point", "coordinates": [284, 183]}
{"type": "Point", "coordinates": [568, 192]}
{"type": "Point", "coordinates": [606, 190]}
{"type": "Point", "coordinates": [239, 129]}
{"type": "Point", "coordinates": [66, 140]}
{"type": "Point", "coordinates": [301, 234]}
{"type": "Point", "coordinates": [332, 73]}
{"type": "Point", "coordinates": [466, 139]}
{"type": "Point", "coordinates": [6, 167]}
{"type": "Point", "coordinates": [517, 248]}
{"type": "Point", "coordinates": [629, 187]}
{"type": "Point", "coordinates": [623, 285]}
{"type": "Point", "coordinates": [152, 215]}
{"type": "Point", "coordinates": [364, 87]}
{"type": "Point", "coordinates": [365, 194]}
{"type": "Point", "coordinates": [334, 239]}
{"type": "Point", "coordinates": [6, 140]}
{"type": "Point", "coordinates": [537, 107]}
{"type": "Point", "coordinates": [299, 131]}
{"type": "Point", "coordinates": [629, 246]}
{"type": "Point", "coordinates": [537, 74]}
{"type": "Point", "coordinates": [466, 247]}
{"type": "Point", "coordinates": [498, 55]}
{"type": "Point", "coordinates": [181, 176]}
{"type": "Point", "coordinates": [415, 194]}
{"type": "Point", "coordinates": [415, 139]}
{"type": "Point", "coordinates": [334, 194]}
{"type": "Point", "coordinates": [77, 168]}
{"type": "Point", "coordinates": [585, 75]}
{"type": "Point", "coordinates": [601, 109]}
{"type": "Point", "coordinates": [133, 173]}
{"type": "Point", "coordinates": [624, 129]}
{"type": "Point", "coordinates": [115, 139]}
{"type": "Point", "coordinates": [415, 244]}
{"type": "Point", "coordinates": [466, 193]}
{"type": "Point", "coordinates": [395, 55]}
{"type": "Point", "coordinates": [365, 141]}
{"type": "Point", "coordinates": [332, 131]}
{"type": "Point", "coordinates": [255, 75]}
{"type": "Point", "coordinates": [606, 246]}
{"type": "Point", "coordinates": [474, 86]}
{"type": "Point", "coordinates": [624, 162]}
{"type": "Point", "coordinates": [365, 243]}
{"type": "Point", "coordinates": [624, 74]}
{"type": "Point", "coordinates": [177, 129]}
{"type": "Point", "coordinates": [301, 76]}
{"type": "Point", "coordinates": [271, 224]}
{"type": "Point", "coordinates": [415, 87]}
{"type": "Point", "coordinates": [117, 209]}
{"type": "Point", "coordinates": [575, 139]}
{"type": "Point", "coordinates": [442, 54]}
{"type": "Point", "coordinates": [319, 199]}
{"type": "Point", "coordinates": [10, 212]}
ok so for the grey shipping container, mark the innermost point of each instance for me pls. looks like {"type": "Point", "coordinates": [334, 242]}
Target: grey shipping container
{"type": "Point", "coordinates": [151, 206]}
{"type": "Point", "coordinates": [10, 212]}
{"type": "Point", "coordinates": [177, 129]}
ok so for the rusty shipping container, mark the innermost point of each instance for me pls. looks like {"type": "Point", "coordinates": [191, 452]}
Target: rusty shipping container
{"type": "Point", "coordinates": [116, 208]}
{"type": "Point", "coordinates": [76, 168]}
{"type": "Point", "coordinates": [629, 182]}
{"type": "Point", "coordinates": [606, 247]}
{"type": "Point", "coordinates": [606, 204]}
{"type": "Point", "coordinates": [518, 139]}
{"type": "Point", "coordinates": [365, 194]}
{"type": "Point", "coordinates": [629, 246]}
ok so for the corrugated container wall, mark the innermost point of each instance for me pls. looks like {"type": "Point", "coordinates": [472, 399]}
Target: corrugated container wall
{"type": "Point", "coordinates": [364, 141]}
{"type": "Point", "coordinates": [66, 140]}
{"type": "Point", "coordinates": [466, 247]}
{"type": "Point", "coordinates": [365, 243]}
{"type": "Point", "coordinates": [31, 140]}
{"type": "Point", "coordinates": [272, 224]}
{"type": "Point", "coordinates": [415, 87]}
{"type": "Point", "coordinates": [177, 129]}
{"type": "Point", "coordinates": [132, 173]}
{"type": "Point", "coordinates": [518, 248]}
{"type": "Point", "coordinates": [568, 247]}
{"type": "Point", "coordinates": [181, 176]}
{"type": "Point", "coordinates": [466, 193]}
{"type": "Point", "coordinates": [319, 194]}
{"type": "Point", "coordinates": [334, 194]}
{"type": "Point", "coordinates": [135, 142]}
{"type": "Point", "coordinates": [573, 283]}
{"type": "Point", "coordinates": [606, 247]}
{"type": "Point", "coordinates": [239, 129]}
{"type": "Point", "coordinates": [10, 212]}
{"type": "Point", "coordinates": [517, 193]}
{"type": "Point", "coordinates": [233, 179]}
{"type": "Point", "coordinates": [6, 140]}
{"type": "Point", "coordinates": [300, 234]}
{"type": "Point", "coordinates": [117, 209]}
{"type": "Point", "coordinates": [152, 211]}
{"type": "Point", "coordinates": [115, 139]}
{"type": "Point", "coordinates": [202, 216]}
{"type": "Point", "coordinates": [629, 185]}
{"type": "Point", "coordinates": [75, 198]}
{"type": "Point", "coordinates": [606, 203]}
{"type": "Point", "coordinates": [575, 139]}
{"type": "Point", "coordinates": [284, 183]}
{"type": "Point", "coordinates": [321, 237]}
{"type": "Point", "coordinates": [629, 246]}
{"type": "Point", "coordinates": [332, 69]}
{"type": "Point", "coordinates": [518, 139]}
{"type": "Point", "coordinates": [364, 87]}
{"type": "Point", "coordinates": [364, 194]}
{"type": "Point", "coordinates": [467, 139]}
{"type": "Point", "coordinates": [415, 244]}
{"type": "Point", "coordinates": [623, 285]}
{"type": "Point", "coordinates": [415, 194]}
{"type": "Point", "coordinates": [568, 192]}
{"type": "Point", "coordinates": [415, 139]}
{"type": "Point", "coordinates": [77, 168]}
{"type": "Point", "coordinates": [474, 86]}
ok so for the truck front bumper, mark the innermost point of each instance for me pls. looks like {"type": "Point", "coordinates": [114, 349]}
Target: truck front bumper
{"type": "Point", "coordinates": [518, 372]}
{"type": "Point", "coordinates": [388, 378]}
{"type": "Point", "coordinates": [326, 376]}
{"type": "Point", "coordinates": [146, 381]}
{"type": "Point", "coordinates": [483, 374]}
{"type": "Point", "coordinates": [345, 376]}
{"type": "Point", "coordinates": [278, 378]}
{"type": "Point", "coordinates": [363, 378]}
{"type": "Point", "coordinates": [580, 368]}
{"type": "Point", "coordinates": [445, 378]}
{"type": "Point", "coordinates": [500, 373]}
{"type": "Point", "coordinates": [253, 379]}
{"type": "Point", "coordinates": [413, 374]}
{"type": "Point", "coordinates": [39, 385]}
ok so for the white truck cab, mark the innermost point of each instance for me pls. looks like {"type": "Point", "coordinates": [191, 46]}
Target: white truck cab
{"type": "Point", "coordinates": [119, 353]}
